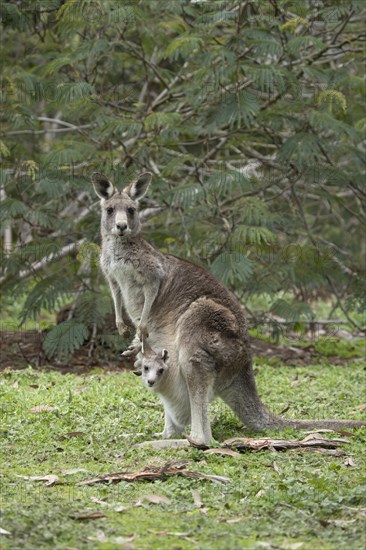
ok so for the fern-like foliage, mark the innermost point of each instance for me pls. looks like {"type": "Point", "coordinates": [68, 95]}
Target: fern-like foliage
{"type": "Point", "coordinates": [65, 338]}
{"type": "Point", "coordinates": [292, 311]}
{"type": "Point", "coordinates": [232, 268]}
{"type": "Point", "coordinates": [46, 294]}
{"type": "Point", "coordinates": [249, 114]}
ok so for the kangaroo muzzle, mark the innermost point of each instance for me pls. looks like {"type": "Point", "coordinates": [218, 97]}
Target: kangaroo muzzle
{"type": "Point", "coordinates": [121, 225]}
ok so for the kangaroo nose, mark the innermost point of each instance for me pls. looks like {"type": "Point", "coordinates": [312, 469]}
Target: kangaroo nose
{"type": "Point", "coordinates": [121, 226]}
{"type": "Point", "coordinates": [150, 382]}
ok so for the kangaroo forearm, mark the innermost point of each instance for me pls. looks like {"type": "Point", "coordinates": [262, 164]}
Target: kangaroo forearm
{"type": "Point", "coordinates": [117, 299]}
{"type": "Point", "coordinates": [150, 296]}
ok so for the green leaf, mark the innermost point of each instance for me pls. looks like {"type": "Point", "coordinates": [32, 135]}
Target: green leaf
{"type": "Point", "coordinates": [12, 208]}
{"type": "Point", "coordinates": [71, 91]}
{"type": "Point", "coordinates": [302, 148]}
{"type": "Point", "coordinates": [245, 235]}
{"type": "Point", "coordinates": [183, 45]}
{"type": "Point", "coordinates": [232, 267]}
{"type": "Point", "coordinates": [64, 339]}
{"type": "Point", "coordinates": [292, 311]}
{"type": "Point", "coordinates": [159, 120]}
{"type": "Point", "coordinates": [185, 196]}
{"type": "Point", "coordinates": [47, 292]}
{"type": "Point", "coordinates": [326, 122]}
{"type": "Point", "coordinates": [234, 110]}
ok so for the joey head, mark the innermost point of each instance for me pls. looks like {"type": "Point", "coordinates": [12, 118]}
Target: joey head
{"type": "Point", "coordinates": [153, 369]}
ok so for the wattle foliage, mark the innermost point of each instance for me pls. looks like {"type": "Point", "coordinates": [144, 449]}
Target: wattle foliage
{"type": "Point", "coordinates": [249, 114]}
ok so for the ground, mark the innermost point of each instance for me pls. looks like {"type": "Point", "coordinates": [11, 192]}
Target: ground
{"type": "Point", "coordinates": [287, 500]}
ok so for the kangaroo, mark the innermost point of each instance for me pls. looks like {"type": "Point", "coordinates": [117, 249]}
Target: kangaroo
{"type": "Point", "coordinates": [184, 309]}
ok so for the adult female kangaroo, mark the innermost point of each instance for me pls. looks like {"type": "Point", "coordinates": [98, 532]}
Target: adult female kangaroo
{"type": "Point", "coordinates": [186, 310]}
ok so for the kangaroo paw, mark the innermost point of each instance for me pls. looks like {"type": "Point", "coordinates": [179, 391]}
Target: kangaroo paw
{"type": "Point", "coordinates": [123, 330]}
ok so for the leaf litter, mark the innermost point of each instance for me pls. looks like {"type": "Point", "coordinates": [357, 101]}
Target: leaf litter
{"type": "Point", "coordinates": [49, 479]}
{"type": "Point", "coordinates": [152, 473]}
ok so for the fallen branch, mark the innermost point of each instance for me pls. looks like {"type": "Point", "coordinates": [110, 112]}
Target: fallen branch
{"type": "Point", "coordinates": [311, 441]}
{"type": "Point", "coordinates": [152, 473]}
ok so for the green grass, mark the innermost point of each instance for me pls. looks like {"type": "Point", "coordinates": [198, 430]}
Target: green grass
{"type": "Point", "coordinates": [313, 499]}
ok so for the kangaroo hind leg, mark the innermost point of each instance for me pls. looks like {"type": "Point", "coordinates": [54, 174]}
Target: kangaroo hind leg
{"type": "Point", "coordinates": [199, 370]}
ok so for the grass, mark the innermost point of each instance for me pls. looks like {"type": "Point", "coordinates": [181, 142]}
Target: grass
{"type": "Point", "coordinates": [312, 501]}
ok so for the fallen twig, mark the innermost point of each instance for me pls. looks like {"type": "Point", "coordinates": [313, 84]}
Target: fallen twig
{"type": "Point", "coordinates": [152, 473]}
{"type": "Point", "coordinates": [312, 440]}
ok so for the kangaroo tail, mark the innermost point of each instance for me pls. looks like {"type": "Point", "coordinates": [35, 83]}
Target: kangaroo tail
{"type": "Point", "coordinates": [243, 398]}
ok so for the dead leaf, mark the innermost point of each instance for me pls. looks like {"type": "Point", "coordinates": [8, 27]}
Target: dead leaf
{"type": "Point", "coordinates": [222, 452]}
{"type": "Point", "coordinates": [361, 407]}
{"type": "Point", "coordinates": [87, 515]}
{"type": "Point", "coordinates": [292, 545]}
{"type": "Point", "coordinates": [275, 467]}
{"type": "Point", "coordinates": [50, 479]}
{"type": "Point", "coordinates": [184, 536]}
{"type": "Point", "coordinates": [151, 473]}
{"type": "Point", "coordinates": [125, 542]}
{"type": "Point", "coordinates": [196, 498]}
{"type": "Point", "coordinates": [98, 501]}
{"type": "Point", "coordinates": [233, 520]}
{"type": "Point", "coordinates": [80, 389]}
{"type": "Point", "coordinates": [349, 462]}
{"type": "Point", "coordinates": [4, 532]}
{"type": "Point", "coordinates": [73, 471]}
{"type": "Point", "coordinates": [69, 435]}
{"type": "Point", "coordinates": [342, 523]}
{"type": "Point", "coordinates": [260, 493]}
{"type": "Point", "coordinates": [16, 384]}
{"type": "Point", "coordinates": [154, 499]}
{"type": "Point", "coordinates": [120, 508]}
{"type": "Point", "coordinates": [42, 408]}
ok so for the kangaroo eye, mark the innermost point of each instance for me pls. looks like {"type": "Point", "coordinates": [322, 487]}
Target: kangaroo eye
{"type": "Point", "coordinates": [131, 211]}
{"type": "Point", "coordinates": [161, 371]}
{"type": "Point", "coordinates": [110, 211]}
{"type": "Point", "coordinates": [146, 369]}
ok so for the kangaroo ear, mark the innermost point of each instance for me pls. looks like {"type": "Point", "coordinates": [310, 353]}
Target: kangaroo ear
{"type": "Point", "coordinates": [137, 189]}
{"type": "Point", "coordinates": [103, 187]}
{"type": "Point", "coordinates": [165, 355]}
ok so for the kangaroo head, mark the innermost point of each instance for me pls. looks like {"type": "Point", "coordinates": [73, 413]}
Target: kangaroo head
{"type": "Point", "coordinates": [120, 209]}
{"type": "Point", "coordinates": [154, 365]}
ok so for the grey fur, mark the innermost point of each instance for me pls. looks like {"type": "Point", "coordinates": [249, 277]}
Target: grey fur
{"type": "Point", "coordinates": [187, 311]}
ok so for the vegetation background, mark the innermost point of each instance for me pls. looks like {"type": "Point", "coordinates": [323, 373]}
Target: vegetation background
{"type": "Point", "coordinates": [250, 114]}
